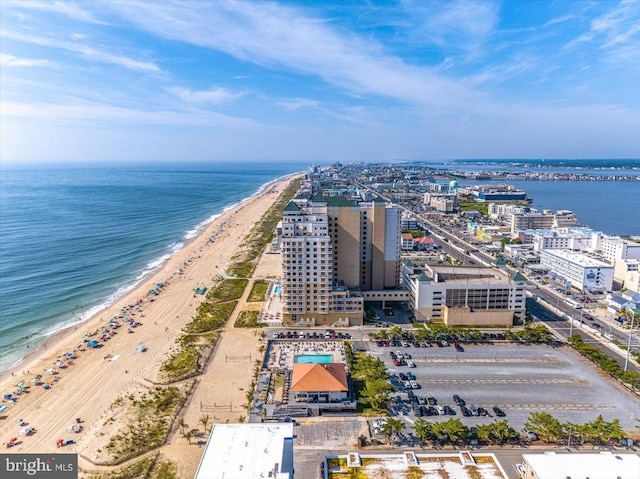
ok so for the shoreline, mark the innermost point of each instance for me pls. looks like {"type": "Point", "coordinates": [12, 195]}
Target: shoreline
{"type": "Point", "coordinates": [59, 333]}
{"type": "Point", "coordinates": [88, 387]}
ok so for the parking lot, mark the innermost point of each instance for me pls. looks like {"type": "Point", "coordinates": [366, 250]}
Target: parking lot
{"type": "Point", "coordinates": [519, 379]}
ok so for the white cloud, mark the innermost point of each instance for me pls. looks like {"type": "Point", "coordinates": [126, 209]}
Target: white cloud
{"type": "Point", "coordinates": [68, 8]}
{"type": "Point", "coordinates": [81, 113]}
{"type": "Point", "coordinates": [463, 25]}
{"type": "Point", "coordinates": [216, 95]}
{"type": "Point", "coordinates": [277, 36]}
{"type": "Point", "coordinates": [294, 104]}
{"type": "Point", "coordinates": [11, 61]}
{"type": "Point", "coordinates": [617, 28]}
{"type": "Point", "coordinates": [85, 50]}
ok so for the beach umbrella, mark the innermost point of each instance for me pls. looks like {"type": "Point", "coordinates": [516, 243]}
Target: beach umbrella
{"type": "Point", "coordinates": [93, 343]}
{"type": "Point", "coordinates": [8, 396]}
{"type": "Point", "coordinates": [3, 408]}
{"type": "Point", "coordinates": [69, 355]}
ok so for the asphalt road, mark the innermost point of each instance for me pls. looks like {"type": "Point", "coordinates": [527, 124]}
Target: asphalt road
{"type": "Point", "coordinates": [562, 326]}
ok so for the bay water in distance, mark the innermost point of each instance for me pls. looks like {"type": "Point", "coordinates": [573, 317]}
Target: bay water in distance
{"type": "Point", "coordinates": [73, 239]}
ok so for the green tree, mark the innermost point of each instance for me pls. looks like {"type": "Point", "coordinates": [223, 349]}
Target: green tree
{"type": "Point", "coordinates": [183, 425]}
{"type": "Point", "coordinates": [392, 427]}
{"type": "Point", "coordinates": [395, 331]}
{"type": "Point", "coordinates": [423, 429]}
{"type": "Point", "coordinates": [484, 432]}
{"type": "Point", "coordinates": [204, 420]}
{"type": "Point", "coordinates": [502, 432]}
{"type": "Point", "coordinates": [367, 367]}
{"type": "Point", "coordinates": [603, 431]}
{"type": "Point", "coordinates": [455, 429]}
{"type": "Point", "coordinates": [376, 394]}
{"type": "Point", "coordinates": [544, 425]}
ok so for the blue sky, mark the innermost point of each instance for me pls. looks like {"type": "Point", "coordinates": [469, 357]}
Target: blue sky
{"type": "Point", "coordinates": [319, 80]}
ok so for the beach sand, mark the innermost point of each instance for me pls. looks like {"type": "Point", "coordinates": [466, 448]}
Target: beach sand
{"type": "Point", "coordinates": [87, 388]}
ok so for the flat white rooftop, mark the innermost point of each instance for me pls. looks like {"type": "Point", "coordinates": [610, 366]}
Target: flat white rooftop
{"type": "Point", "coordinates": [581, 466]}
{"type": "Point", "coordinates": [577, 258]}
{"type": "Point", "coordinates": [248, 451]}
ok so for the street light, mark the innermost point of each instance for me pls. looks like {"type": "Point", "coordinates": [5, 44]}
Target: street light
{"type": "Point", "coordinates": [626, 361]}
{"type": "Point", "coordinates": [571, 329]}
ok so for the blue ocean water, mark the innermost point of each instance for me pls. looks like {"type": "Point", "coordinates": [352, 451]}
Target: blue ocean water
{"type": "Point", "coordinates": [73, 239]}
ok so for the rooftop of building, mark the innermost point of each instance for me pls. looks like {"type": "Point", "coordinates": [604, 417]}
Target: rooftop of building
{"type": "Point", "coordinates": [248, 451]}
{"type": "Point", "coordinates": [319, 377]}
{"type": "Point", "coordinates": [463, 464]}
{"type": "Point", "coordinates": [457, 275]}
{"type": "Point", "coordinates": [580, 466]}
{"type": "Point", "coordinates": [577, 258]}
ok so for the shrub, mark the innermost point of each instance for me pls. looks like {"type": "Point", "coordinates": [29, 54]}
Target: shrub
{"type": "Point", "coordinates": [258, 290]}
{"type": "Point", "coordinates": [210, 316]}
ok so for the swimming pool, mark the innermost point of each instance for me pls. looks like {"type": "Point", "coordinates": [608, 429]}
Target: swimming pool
{"type": "Point", "coordinates": [277, 289]}
{"type": "Point", "coordinates": [314, 358]}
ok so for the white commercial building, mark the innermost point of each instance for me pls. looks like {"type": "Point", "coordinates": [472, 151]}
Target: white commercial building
{"type": "Point", "coordinates": [248, 451]}
{"type": "Point", "coordinates": [575, 239]}
{"type": "Point", "coordinates": [604, 465]}
{"type": "Point", "coordinates": [582, 271]}
{"type": "Point", "coordinates": [458, 295]}
{"type": "Point", "coordinates": [615, 248]}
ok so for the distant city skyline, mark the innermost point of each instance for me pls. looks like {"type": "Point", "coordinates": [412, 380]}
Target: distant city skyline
{"type": "Point", "coordinates": [314, 81]}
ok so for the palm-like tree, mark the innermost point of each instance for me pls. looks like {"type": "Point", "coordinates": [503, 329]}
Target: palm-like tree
{"type": "Point", "coordinates": [204, 420]}
{"type": "Point", "coordinates": [183, 425]}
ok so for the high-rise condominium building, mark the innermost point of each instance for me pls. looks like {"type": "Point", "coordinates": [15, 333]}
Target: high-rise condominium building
{"type": "Point", "coordinates": [333, 249]}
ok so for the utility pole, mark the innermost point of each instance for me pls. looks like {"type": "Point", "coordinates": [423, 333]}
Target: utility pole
{"type": "Point", "coordinates": [626, 360]}
{"type": "Point", "coordinates": [571, 329]}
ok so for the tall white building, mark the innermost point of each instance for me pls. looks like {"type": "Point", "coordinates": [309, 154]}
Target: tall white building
{"type": "Point", "coordinates": [582, 271]}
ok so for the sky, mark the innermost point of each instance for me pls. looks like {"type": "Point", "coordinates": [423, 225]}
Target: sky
{"type": "Point", "coordinates": [115, 81]}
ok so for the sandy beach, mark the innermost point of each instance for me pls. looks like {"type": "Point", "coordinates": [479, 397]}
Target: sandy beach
{"type": "Point", "coordinates": [89, 385]}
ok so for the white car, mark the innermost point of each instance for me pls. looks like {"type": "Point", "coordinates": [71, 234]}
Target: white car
{"type": "Point", "coordinates": [411, 364]}
{"type": "Point", "coordinates": [520, 469]}
{"type": "Point", "coordinates": [414, 384]}
{"type": "Point", "coordinates": [407, 384]}
{"type": "Point", "coordinates": [440, 410]}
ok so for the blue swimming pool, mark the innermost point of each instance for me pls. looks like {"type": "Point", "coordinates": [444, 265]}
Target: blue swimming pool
{"type": "Point", "coordinates": [277, 289]}
{"type": "Point", "coordinates": [314, 358]}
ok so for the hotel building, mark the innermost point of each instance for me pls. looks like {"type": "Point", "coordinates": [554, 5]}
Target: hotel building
{"type": "Point", "coordinates": [582, 271]}
{"type": "Point", "coordinates": [333, 249]}
{"type": "Point", "coordinates": [464, 296]}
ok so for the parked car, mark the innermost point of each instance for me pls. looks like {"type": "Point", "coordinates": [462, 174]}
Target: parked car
{"type": "Point", "coordinates": [411, 376]}
{"type": "Point", "coordinates": [440, 410]}
{"type": "Point", "coordinates": [432, 401]}
{"type": "Point", "coordinates": [402, 376]}
{"type": "Point", "coordinates": [392, 355]}
{"type": "Point", "coordinates": [465, 411]}
{"type": "Point", "coordinates": [414, 384]}
{"type": "Point", "coordinates": [458, 400]}
{"type": "Point", "coordinates": [498, 412]}
{"type": "Point", "coordinates": [474, 410]}
{"type": "Point", "coordinates": [449, 410]}
{"type": "Point", "coordinates": [411, 364]}
{"type": "Point", "coordinates": [407, 384]}
{"type": "Point", "coordinates": [530, 434]}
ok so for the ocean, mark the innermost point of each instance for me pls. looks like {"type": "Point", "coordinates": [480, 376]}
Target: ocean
{"type": "Point", "coordinates": [73, 239]}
